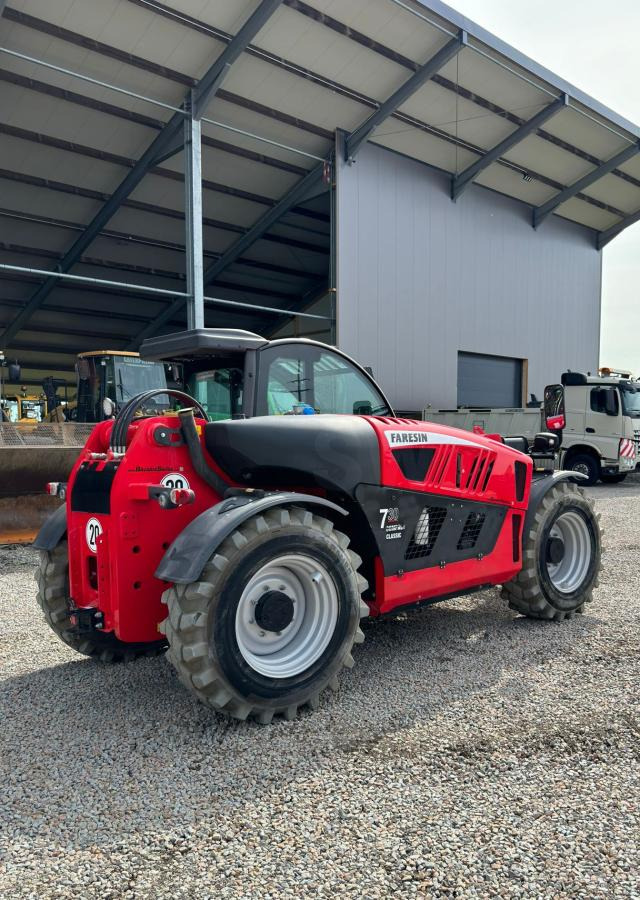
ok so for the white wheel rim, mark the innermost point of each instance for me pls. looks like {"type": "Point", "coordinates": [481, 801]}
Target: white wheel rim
{"type": "Point", "coordinates": [568, 575]}
{"type": "Point", "coordinates": [302, 642]}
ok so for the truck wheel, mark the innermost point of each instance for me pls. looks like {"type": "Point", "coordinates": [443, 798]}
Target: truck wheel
{"type": "Point", "coordinates": [561, 557]}
{"type": "Point", "coordinates": [52, 577]}
{"type": "Point", "coordinates": [586, 464]}
{"type": "Point", "coordinates": [613, 479]}
{"type": "Point", "coordinates": [273, 618]}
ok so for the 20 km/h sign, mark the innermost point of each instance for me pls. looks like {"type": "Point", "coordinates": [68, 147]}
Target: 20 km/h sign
{"type": "Point", "coordinates": [92, 532]}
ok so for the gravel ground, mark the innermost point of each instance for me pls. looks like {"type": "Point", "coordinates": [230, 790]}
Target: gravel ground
{"type": "Point", "coordinates": [468, 754]}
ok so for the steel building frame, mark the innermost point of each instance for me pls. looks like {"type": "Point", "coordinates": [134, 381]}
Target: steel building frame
{"type": "Point", "coordinates": [183, 133]}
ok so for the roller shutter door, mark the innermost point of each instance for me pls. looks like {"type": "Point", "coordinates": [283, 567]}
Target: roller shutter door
{"type": "Point", "coordinates": [489, 381]}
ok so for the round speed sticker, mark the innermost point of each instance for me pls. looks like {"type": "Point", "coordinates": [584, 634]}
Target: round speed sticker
{"type": "Point", "coordinates": [92, 532]}
{"type": "Point", "coordinates": [175, 480]}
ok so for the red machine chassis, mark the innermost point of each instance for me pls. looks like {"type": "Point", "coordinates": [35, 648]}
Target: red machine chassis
{"type": "Point", "coordinates": [118, 532]}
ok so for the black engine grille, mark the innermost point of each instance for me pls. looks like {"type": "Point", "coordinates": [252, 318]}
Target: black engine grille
{"type": "Point", "coordinates": [471, 531]}
{"type": "Point", "coordinates": [426, 534]}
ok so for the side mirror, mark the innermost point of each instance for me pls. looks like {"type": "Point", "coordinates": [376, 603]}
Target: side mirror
{"type": "Point", "coordinates": [14, 372]}
{"type": "Point", "coordinates": [554, 413]}
{"type": "Point", "coordinates": [362, 408]}
{"type": "Point", "coordinates": [108, 407]}
{"type": "Point", "coordinates": [611, 402]}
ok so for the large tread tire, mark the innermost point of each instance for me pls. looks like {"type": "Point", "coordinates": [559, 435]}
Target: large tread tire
{"type": "Point", "coordinates": [52, 578]}
{"type": "Point", "coordinates": [530, 593]}
{"type": "Point", "coordinates": [193, 608]}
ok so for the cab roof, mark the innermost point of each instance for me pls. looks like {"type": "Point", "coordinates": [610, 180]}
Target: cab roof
{"type": "Point", "coordinates": [201, 342]}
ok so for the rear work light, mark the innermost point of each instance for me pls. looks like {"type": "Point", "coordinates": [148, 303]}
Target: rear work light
{"type": "Point", "coordinates": [169, 498]}
{"type": "Point", "coordinates": [56, 489]}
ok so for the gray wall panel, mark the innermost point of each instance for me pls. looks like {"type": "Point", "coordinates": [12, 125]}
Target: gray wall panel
{"type": "Point", "coordinates": [420, 278]}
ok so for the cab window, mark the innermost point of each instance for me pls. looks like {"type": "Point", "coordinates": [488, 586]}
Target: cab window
{"type": "Point", "coordinates": [218, 391]}
{"type": "Point", "coordinates": [299, 380]}
{"type": "Point", "coordinates": [598, 400]}
{"type": "Point", "coordinates": [339, 388]}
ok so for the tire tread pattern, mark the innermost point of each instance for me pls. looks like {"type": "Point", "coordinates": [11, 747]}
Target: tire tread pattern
{"type": "Point", "coordinates": [186, 625]}
{"type": "Point", "coordinates": [524, 593]}
{"type": "Point", "coordinates": [52, 578]}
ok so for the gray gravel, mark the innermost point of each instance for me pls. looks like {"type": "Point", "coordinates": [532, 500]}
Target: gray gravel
{"type": "Point", "coordinates": [468, 754]}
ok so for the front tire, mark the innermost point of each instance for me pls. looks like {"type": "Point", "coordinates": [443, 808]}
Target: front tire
{"type": "Point", "coordinates": [561, 557]}
{"type": "Point", "coordinates": [585, 464]}
{"type": "Point", "coordinates": [52, 578]}
{"type": "Point", "coordinates": [273, 618]}
{"type": "Point", "coordinates": [615, 478]}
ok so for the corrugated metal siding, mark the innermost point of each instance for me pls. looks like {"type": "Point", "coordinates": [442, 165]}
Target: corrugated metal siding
{"type": "Point", "coordinates": [421, 278]}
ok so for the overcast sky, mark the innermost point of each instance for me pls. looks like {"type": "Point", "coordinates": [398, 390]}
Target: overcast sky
{"type": "Point", "coordinates": [594, 46]}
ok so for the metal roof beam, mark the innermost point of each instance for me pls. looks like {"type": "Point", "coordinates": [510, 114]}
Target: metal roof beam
{"type": "Point", "coordinates": [540, 213]}
{"type": "Point", "coordinates": [406, 90]}
{"type": "Point", "coordinates": [461, 181]}
{"type": "Point", "coordinates": [604, 237]}
{"type": "Point", "coordinates": [294, 196]}
{"type": "Point", "coordinates": [203, 91]}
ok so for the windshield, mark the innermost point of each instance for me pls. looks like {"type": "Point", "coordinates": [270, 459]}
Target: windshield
{"type": "Point", "coordinates": [631, 401]}
{"type": "Point", "coordinates": [218, 391]}
{"type": "Point", "coordinates": [133, 376]}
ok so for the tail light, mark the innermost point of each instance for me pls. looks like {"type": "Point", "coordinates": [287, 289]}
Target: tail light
{"type": "Point", "coordinates": [181, 496]}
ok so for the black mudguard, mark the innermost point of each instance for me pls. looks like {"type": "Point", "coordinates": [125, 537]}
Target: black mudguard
{"type": "Point", "coordinates": [188, 554]}
{"type": "Point", "coordinates": [542, 486]}
{"type": "Point", "coordinates": [53, 530]}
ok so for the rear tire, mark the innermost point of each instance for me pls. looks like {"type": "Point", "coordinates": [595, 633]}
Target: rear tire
{"type": "Point", "coordinates": [586, 464]}
{"type": "Point", "coordinates": [613, 479]}
{"type": "Point", "coordinates": [561, 557]}
{"type": "Point", "coordinates": [52, 577]}
{"type": "Point", "coordinates": [273, 618]}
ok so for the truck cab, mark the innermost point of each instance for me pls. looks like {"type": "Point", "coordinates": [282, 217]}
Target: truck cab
{"type": "Point", "coordinates": [601, 435]}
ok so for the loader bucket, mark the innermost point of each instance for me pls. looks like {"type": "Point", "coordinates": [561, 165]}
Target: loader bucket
{"type": "Point", "coordinates": [31, 456]}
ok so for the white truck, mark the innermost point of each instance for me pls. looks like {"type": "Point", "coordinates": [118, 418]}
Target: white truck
{"type": "Point", "coordinates": [598, 415]}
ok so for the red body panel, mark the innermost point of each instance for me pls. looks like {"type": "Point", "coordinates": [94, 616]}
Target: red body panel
{"type": "Point", "coordinates": [116, 577]}
{"type": "Point", "coordinates": [445, 477]}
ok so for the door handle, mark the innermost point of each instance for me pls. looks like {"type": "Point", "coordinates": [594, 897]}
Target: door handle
{"type": "Point", "coordinates": [590, 430]}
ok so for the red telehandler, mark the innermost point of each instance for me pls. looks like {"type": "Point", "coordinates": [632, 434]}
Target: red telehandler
{"type": "Point", "coordinates": [250, 533]}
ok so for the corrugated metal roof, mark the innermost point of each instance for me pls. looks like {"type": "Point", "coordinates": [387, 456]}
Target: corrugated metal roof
{"type": "Point", "coordinates": [313, 69]}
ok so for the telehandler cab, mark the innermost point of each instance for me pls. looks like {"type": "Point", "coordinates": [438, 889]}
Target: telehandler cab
{"type": "Point", "coordinates": [251, 533]}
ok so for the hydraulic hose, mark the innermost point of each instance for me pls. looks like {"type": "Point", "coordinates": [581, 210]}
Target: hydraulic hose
{"type": "Point", "coordinates": [192, 440]}
{"type": "Point", "coordinates": [127, 413]}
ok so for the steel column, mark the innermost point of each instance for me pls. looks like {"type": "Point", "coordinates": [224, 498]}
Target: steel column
{"type": "Point", "coordinates": [193, 220]}
{"type": "Point", "coordinates": [540, 213]}
{"type": "Point", "coordinates": [417, 80]}
{"type": "Point", "coordinates": [460, 182]}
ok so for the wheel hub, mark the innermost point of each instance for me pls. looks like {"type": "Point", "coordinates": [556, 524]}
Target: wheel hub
{"type": "Point", "coordinates": [286, 615]}
{"type": "Point", "coordinates": [274, 611]}
{"type": "Point", "coordinates": [568, 552]}
{"type": "Point", "coordinates": [555, 550]}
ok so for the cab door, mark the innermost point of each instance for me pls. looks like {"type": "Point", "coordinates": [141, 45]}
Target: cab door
{"type": "Point", "coordinates": [603, 420]}
{"type": "Point", "coordinates": [303, 378]}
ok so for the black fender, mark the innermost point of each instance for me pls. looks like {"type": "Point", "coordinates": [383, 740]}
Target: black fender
{"type": "Point", "coordinates": [540, 487]}
{"type": "Point", "coordinates": [188, 554]}
{"type": "Point", "coordinates": [53, 530]}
